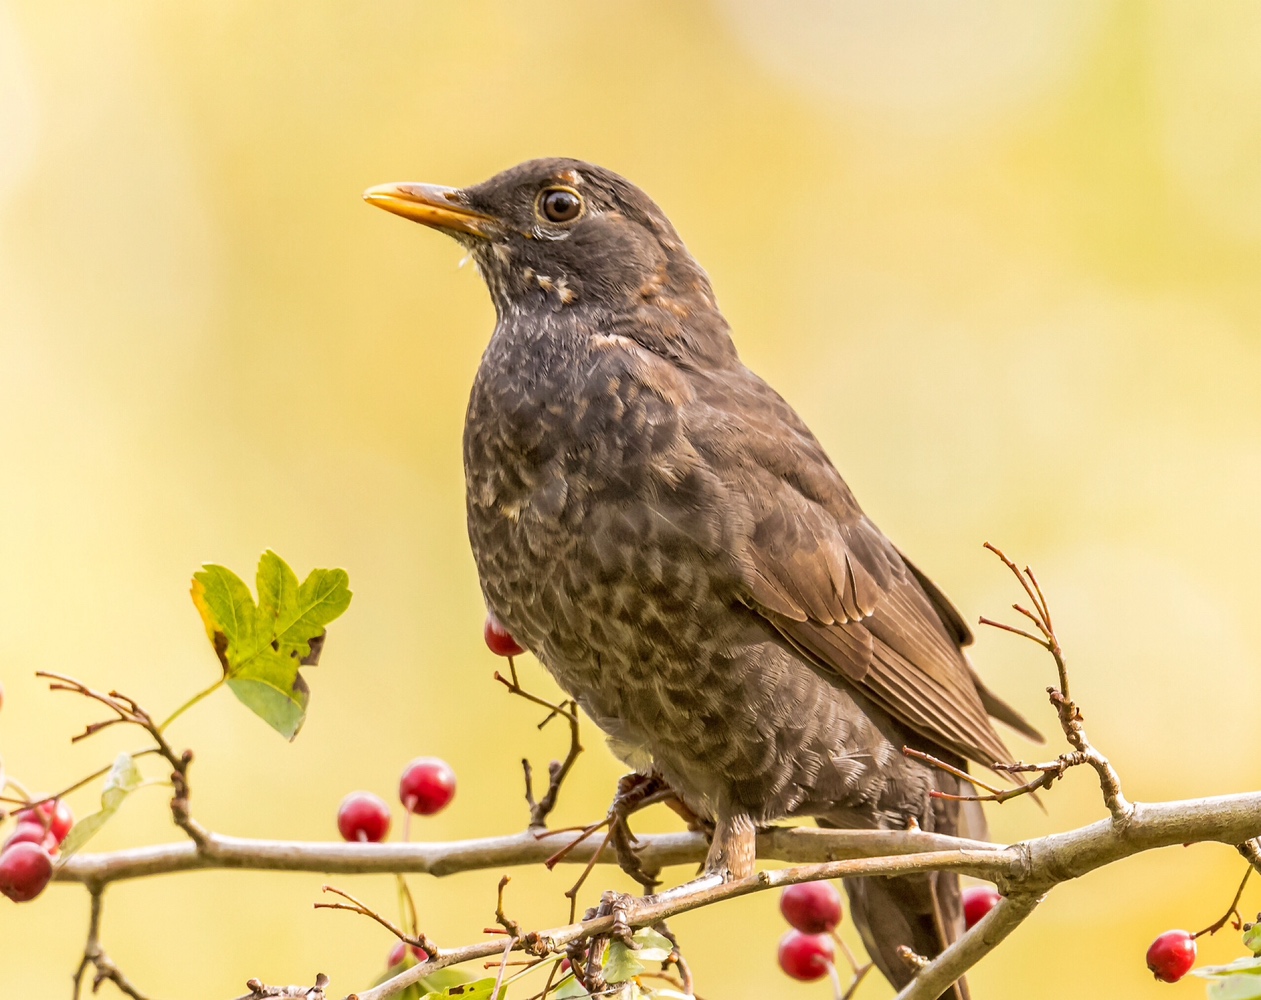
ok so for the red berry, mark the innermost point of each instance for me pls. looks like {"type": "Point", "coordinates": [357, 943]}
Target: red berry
{"type": "Point", "coordinates": [978, 900]}
{"type": "Point", "coordinates": [27, 832]}
{"type": "Point", "coordinates": [811, 907]}
{"type": "Point", "coordinates": [25, 869]}
{"type": "Point", "coordinates": [427, 785]}
{"type": "Point", "coordinates": [805, 956]}
{"type": "Point", "coordinates": [41, 814]}
{"type": "Point", "coordinates": [61, 822]}
{"type": "Point", "coordinates": [1171, 956]}
{"type": "Point", "coordinates": [399, 952]}
{"type": "Point", "coordinates": [498, 640]}
{"type": "Point", "coordinates": [565, 965]}
{"type": "Point", "coordinates": [363, 816]}
{"type": "Point", "coordinates": [53, 815]}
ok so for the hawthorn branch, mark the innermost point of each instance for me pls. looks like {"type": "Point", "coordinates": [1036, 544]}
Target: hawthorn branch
{"type": "Point", "coordinates": [94, 957]}
{"type": "Point", "coordinates": [942, 972]}
{"type": "Point", "coordinates": [127, 711]}
{"type": "Point", "coordinates": [258, 991]}
{"type": "Point", "coordinates": [791, 844]}
{"type": "Point", "coordinates": [1024, 873]}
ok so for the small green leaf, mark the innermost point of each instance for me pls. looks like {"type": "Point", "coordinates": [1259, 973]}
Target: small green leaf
{"type": "Point", "coordinates": [653, 947]}
{"type": "Point", "coordinates": [480, 989]}
{"type": "Point", "coordinates": [570, 989]}
{"type": "Point", "coordinates": [261, 647]}
{"type": "Point", "coordinates": [1252, 938]}
{"type": "Point", "coordinates": [435, 982]}
{"type": "Point", "coordinates": [441, 979]}
{"type": "Point", "coordinates": [621, 963]}
{"type": "Point", "coordinates": [1239, 967]}
{"type": "Point", "coordinates": [1235, 988]}
{"type": "Point", "coordinates": [123, 779]}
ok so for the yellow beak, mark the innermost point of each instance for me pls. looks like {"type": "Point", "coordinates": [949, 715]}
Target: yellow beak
{"type": "Point", "coordinates": [432, 205]}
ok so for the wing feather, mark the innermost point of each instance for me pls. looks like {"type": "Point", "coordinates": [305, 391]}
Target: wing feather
{"type": "Point", "coordinates": [829, 581]}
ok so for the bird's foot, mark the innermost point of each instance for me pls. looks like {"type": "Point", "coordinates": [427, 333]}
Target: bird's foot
{"type": "Point", "coordinates": [634, 792]}
{"type": "Point", "coordinates": [586, 956]}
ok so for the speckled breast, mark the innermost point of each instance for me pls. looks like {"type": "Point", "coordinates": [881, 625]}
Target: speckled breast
{"type": "Point", "coordinates": [587, 521]}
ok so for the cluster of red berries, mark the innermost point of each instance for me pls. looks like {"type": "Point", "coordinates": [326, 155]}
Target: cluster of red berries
{"type": "Point", "coordinates": [26, 860]}
{"type": "Point", "coordinates": [813, 909]}
{"type": "Point", "coordinates": [426, 787]}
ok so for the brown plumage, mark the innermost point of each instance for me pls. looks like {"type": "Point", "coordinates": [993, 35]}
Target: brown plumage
{"type": "Point", "coordinates": [664, 532]}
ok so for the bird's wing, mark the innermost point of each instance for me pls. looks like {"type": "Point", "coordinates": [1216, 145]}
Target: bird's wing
{"type": "Point", "coordinates": [818, 570]}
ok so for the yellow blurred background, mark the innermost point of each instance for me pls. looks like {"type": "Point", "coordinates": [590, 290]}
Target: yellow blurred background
{"type": "Point", "coordinates": [1003, 257]}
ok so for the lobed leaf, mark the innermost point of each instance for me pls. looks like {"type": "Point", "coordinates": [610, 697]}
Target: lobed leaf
{"type": "Point", "coordinates": [262, 646]}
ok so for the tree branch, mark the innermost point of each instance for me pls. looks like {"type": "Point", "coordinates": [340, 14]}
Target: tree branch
{"type": "Point", "coordinates": [938, 975]}
{"type": "Point", "coordinates": [800, 844]}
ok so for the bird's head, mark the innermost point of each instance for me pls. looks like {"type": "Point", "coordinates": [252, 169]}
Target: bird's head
{"type": "Point", "coordinates": [556, 233]}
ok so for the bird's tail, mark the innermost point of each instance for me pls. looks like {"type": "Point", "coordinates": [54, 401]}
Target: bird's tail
{"type": "Point", "coordinates": [921, 912]}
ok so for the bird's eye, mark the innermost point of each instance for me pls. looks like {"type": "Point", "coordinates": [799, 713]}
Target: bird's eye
{"type": "Point", "coordinates": [560, 204]}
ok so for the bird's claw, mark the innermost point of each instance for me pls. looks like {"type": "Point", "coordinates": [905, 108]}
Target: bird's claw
{"type": "Point", "coordinates": [586, 957]}
{"type": "Point", "coordinates": [633, 792]}
{"type": "Point", "coordinates": [618, 905]}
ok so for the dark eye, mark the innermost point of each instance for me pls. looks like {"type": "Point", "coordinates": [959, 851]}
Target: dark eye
{"type": "Point", "coordinates": [560, 205]}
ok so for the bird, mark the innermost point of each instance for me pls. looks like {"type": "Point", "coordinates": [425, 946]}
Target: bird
{"type": "Point", "coordinates": [664, 532]}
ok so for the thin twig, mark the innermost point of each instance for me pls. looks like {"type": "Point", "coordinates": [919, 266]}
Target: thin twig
{"type": "Point", "coordinates": [129, 712]}
{"type": "Point", "coordinates": [94, 956]}
{"type": "Point", "coordinates": [1231, 911]}
{"type": "Point", "coordinates": [557, 771]}
{"type": "Point", "coordinates": [357, 906]}
{"type": "Point", "coordinates": [503, 964]}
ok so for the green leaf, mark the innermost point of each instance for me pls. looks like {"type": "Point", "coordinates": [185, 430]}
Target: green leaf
{"type": "Point", "coordinates": [441, 979]}
{"type": "Point", "coordinates": [262, 646]}
{"type": "Point", "coordinates": [480, 989]}
{"type": "Point", "coordinates": [1235, 988]}
{"type": "Point", "coordinates": [653, 947]}
{"type": "Point", "coordinates": [570, 989]}
{"type": "Point", "coordinates": [123, 779]}
{"type": "Point", "coordinates": [431, 985]}
{"type": "Point", "coordinates": [1239, 967]}
{"type": "Point", "coordinates": [1252, 937]}
{"type": "Point", "coordinates": [621, 963]}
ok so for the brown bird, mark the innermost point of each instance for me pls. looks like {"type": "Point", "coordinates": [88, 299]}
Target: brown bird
{"type": "Point", "coordinates": [661, 529]}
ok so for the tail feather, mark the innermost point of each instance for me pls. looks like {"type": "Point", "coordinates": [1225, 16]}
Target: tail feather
{"type": "Point", "coordinates": [921, 912]}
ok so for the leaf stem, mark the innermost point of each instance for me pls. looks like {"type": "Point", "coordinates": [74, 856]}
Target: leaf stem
{"type": "Point", "coordinates": [191, 702]}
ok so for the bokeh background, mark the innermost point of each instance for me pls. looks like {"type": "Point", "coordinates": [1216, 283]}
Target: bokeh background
{"type": "Point", "coordinates": [1002, 256]}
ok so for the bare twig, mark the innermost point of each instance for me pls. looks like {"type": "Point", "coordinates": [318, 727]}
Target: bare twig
{"type": "Point", "coordinates": [512, 927]}
{"type": "Point", "coordinates": [557, 771]}
{"type": "Point", "coordinates": [258, 991]}
{"type": "Point", "coordinates": [94, 957]}
{"type": "Point", "coordinates": [1070, 717]}
{"type": "Point", "coordinates": [129, 712]}
{"type": "Point", "coordinates": [1048, 773]}
{"type": "Point", "coordinates": [354, 905]}
{"type": "Point", "coordinates": [1232, 911]}
{"type": "Point", "coordinates": [503, 962]}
